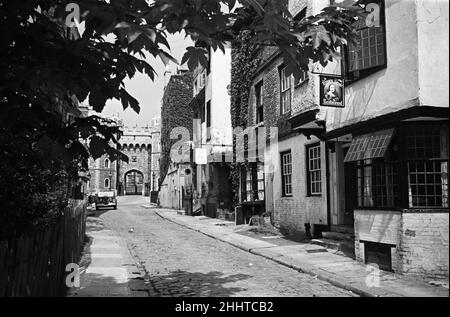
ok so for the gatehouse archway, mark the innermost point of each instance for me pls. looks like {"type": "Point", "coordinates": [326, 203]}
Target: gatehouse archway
{"type": "Point", "coordinates": [134, 183]}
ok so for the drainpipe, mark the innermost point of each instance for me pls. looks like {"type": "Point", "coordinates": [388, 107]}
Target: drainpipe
{"type": "Point", "coordinates": [327, 176]}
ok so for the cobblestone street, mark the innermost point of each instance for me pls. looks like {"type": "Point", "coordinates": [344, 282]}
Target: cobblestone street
{"type": "Point", "coordinates": [182, 262]}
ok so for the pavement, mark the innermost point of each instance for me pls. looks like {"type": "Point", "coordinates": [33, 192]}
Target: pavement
{"type": "Point", "coordinates": [323, 264]}
{"type": "Point", "coordinates": [111, 271]}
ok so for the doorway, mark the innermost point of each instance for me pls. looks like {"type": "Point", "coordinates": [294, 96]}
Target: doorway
{"type": "Point", "coordinates": [350, 188]}
{"type": "Point", "coordinates": [134, 183]}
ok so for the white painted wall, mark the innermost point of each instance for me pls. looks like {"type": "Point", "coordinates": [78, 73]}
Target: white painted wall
{"type": "Point", "coordinates": [292, 213]}
{"type": "Point", "coordinates": [417, 65]}
{"type": "Point", "coordinates": [433, 35]}
{"type": "Point", "coordinates": [393, 88]}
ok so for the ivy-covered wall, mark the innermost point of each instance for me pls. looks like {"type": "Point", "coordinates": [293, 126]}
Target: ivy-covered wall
{"type": "Point", "coordinates": [175, 112]}
{"type": "Point", "coordinates": [245, 60]}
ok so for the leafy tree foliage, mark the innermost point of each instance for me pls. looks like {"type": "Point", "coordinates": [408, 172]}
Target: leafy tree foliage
{"type": "Point", "coordinates": [45, 70]}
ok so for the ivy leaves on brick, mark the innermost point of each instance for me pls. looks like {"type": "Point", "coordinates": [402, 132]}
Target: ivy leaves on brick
{"type": "Point", "coordinates": [245, 61]}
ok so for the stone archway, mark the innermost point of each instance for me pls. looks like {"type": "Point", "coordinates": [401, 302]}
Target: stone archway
{"type": "Point", "coordinates": [134, 183]}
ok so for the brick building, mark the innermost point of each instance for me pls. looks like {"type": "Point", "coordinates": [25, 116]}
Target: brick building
{"type": "Point", "coordinates": [373, 175]}
{"type": "Point", "coordinates": [275, 182]}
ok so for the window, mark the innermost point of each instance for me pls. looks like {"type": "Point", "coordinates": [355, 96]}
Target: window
{"type": "Point", "coordinates": [260, 182]}
{"type": "Point", "coordinates": [408, 170]}
{"type": "Point", "coordinates": [377, 183]}
{"type": "Point", "coordinates": [249, 185]}
{"type": "Point", "coordinates": [259, 103]}
{"type": "Point", "coordinates": [285, 91]}
{"type": "Point", "coordinates": [202, 79]}
{"type": "Point", "coordinates": [377, 179]}
{"type": "Point", "coordinates": [369, 53]}
{"type": "Point", "coordinates": [107, 183]}
{"type": "Point", "coordinates": [107, 163]}
{"type": "Point", "coordinates": [286, 173]}
{"type": "Point", "coordinates": [253, 188]}
{"type": "Point", "coordinates": [302, 79]}
{"type": "Point", "coordinates": [200, 82]}
{"type": "Point", "coordinates": [314, 171]}
{"type": "Point", "coordinates": [427, 166]}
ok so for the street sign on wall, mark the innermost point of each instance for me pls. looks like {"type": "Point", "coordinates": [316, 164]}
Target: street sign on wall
{"type": "Point", "coordinates": [201, 156]}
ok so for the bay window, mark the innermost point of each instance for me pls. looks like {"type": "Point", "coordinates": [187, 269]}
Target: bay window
{"type": "Point", "coordinates": [427, 157]}
{"type": "Point", "coordinates": [406, 168]}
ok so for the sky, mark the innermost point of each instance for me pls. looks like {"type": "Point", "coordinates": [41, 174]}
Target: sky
{"type": "Point", "coordinates": [149, 93]}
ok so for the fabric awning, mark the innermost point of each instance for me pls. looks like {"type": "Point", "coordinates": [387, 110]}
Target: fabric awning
{"type": "Point", "coordinates": [369, 146]}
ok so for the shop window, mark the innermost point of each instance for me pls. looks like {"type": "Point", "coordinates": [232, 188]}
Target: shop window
{"type": "Point", "coordinates": [286, 173]}
{"type": "Point", "coordinates": [427, 155]}
{"type": "Point", "coordinates": [253, 188]}
{"type": "Point", "coordinates": [313, 169]}
{"type": "Point", "coordinates": [377, 183]}
{"type": "Point", "coordinates": [377, 178]}
{"type": "Point", "coordinates": [420, 181]}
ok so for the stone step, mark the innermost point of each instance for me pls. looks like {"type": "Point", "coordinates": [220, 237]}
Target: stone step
{"type": "Point", "coordinates": [342, 229]}
{"type": "Point", "coordinates": [337, 236]}
{"type": "Point", "coordinates": [346, 247]}
{"type": "Point", "coordinates": [326, 243]}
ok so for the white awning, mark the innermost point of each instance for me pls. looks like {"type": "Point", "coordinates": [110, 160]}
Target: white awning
{"type": "Point", "coordinates": [369, 146]}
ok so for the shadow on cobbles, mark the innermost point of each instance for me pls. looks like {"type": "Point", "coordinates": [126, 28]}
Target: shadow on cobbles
{"type": "Point", "coordinates": [195, 284]}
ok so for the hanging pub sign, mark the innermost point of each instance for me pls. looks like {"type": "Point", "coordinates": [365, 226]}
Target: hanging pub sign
{"type": "Point", "coordinates": [332, 93]}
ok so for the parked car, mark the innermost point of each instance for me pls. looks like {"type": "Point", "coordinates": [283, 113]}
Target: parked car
{"type": "Point", "coordinates": [105, 200]}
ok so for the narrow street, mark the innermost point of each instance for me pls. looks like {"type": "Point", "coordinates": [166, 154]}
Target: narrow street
{"type": "Point", "coordinates": [182, 262]}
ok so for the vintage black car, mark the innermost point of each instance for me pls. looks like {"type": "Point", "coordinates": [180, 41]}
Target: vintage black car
{"type": "Point", "coordinates": [105, 200]}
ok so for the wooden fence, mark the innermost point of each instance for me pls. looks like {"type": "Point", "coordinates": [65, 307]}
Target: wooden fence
{"type": "Point", "coordinates": [34, 264]}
